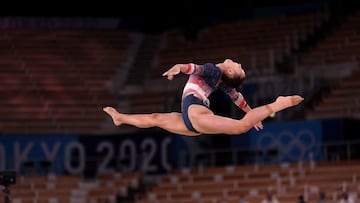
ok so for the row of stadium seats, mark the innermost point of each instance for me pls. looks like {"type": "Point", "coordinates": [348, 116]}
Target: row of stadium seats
{"type": "Point", "coordinates": [72, 188]}
{"type": "Point", "coordinates": [56, 80]}
{"type": "Point", "coordinates": [285, 181]}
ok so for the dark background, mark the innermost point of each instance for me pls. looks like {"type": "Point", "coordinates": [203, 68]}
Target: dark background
{"type": "Point", "coordinates": [155, 16]}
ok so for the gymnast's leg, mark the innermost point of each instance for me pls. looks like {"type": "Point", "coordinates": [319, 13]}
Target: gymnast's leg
{"type": "Point", "coordinates": [204, 121]}
{"type": "Point", "coordinates": [172, 122]}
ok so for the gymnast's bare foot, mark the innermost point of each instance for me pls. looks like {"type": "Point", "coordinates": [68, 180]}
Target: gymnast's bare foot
{"type": "Point", "coordinates": [283, 102]}
{"type": "Point", "coordinates": [114, 115]}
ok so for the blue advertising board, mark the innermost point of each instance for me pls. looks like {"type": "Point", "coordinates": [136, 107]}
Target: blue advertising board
{"type": "Point", "coordinates": [73, 154]}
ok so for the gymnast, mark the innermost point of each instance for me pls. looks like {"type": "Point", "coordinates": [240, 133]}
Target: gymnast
{"type": "Point", "coordinates": [195, 117]}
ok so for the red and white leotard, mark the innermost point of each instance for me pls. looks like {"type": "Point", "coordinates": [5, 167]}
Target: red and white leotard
{"type": "Point", "coordinates": [204, 79]}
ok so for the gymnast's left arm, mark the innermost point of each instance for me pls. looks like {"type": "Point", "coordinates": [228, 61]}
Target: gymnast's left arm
{"type": "Point", "coordinates": [187, 69]}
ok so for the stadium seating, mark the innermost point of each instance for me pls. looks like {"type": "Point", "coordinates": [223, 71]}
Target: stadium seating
{"type": "Point", "coordinates": [57, 80]}
{"type": "Point", "coordinates": [71, 188]}
{"type": "Point", "coordinates": [285, 181]}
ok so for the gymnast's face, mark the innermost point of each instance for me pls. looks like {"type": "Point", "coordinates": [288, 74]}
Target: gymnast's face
{"type": "Point", "coordinates": [234, 69]}
{"type": "Point", "coordinates": [234, 75]}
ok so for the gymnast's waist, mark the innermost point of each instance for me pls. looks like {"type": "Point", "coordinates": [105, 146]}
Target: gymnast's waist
{"type": "Point", "coordinates": [196, 94]}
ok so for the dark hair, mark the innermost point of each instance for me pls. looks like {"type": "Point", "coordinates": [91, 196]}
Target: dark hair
{"type": "Point", "coordinates": [234, 82]}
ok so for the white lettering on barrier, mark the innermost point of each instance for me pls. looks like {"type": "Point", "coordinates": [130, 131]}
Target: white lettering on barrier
{"type": "Point", "coordinates": [50, 155]}
{"type": "Point", "coordinates": [21, 155]}
{"type": "Point", "coordinates": [74, 158]}
{"type": "Point", "coordinates": [103, 164]}
{"type": "Point", "coordinates": [164, 158]}
{"type": "Point", "coordinates": [127, 152]}
{"type": "Point", "coordinates": [70, 149]}
{"type": "Point", "coordinates": [149, 148]}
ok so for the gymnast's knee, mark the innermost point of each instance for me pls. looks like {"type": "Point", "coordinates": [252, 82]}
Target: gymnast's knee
{"type": "Point", "coordinates": [155, 116]}
{"type": "Point", "coordinates": [242, 127]}
{"type": "Point", "coordinates": [160, 117]}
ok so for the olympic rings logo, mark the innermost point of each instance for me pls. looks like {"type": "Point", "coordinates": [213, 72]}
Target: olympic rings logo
{"type": "Point", "coordinates": [292, 146]}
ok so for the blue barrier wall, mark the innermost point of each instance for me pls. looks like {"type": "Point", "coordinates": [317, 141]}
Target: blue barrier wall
{"type": "Point", "coordinates": [149, 152]}
{"type": "Point", "coordinates": [157, 151]}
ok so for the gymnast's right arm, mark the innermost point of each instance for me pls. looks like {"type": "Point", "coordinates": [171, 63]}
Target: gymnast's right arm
{"type": "Point", "coordinates": [176, 69]}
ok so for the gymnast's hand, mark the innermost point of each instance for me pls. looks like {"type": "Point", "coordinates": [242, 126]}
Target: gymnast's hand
{"type": "Point", "coordinates": [259, 126]}
{"type": "Point", "coordinates": [173, 71]}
